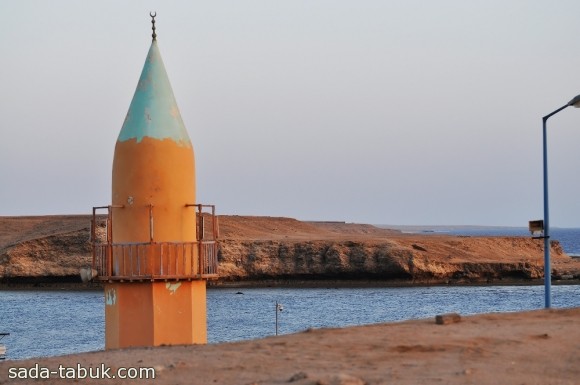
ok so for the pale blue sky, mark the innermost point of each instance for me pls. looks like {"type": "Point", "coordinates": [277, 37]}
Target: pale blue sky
{"type": "Point", "coordinates": [399, 112]}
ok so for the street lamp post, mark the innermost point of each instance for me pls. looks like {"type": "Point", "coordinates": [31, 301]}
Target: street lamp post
{"type": "Point", "coordinates": [547, 270]}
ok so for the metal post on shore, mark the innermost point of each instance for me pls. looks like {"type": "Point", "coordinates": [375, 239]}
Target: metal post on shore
{"type": "Point", "coordinates": [279, 308]}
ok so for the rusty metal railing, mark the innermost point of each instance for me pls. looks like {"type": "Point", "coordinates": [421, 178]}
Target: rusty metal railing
{"type": "Point", "coordinates": [155, 260]}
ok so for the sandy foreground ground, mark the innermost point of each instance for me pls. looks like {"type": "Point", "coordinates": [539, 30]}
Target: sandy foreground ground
{"type": "Point", "coordinates": [538, 347]}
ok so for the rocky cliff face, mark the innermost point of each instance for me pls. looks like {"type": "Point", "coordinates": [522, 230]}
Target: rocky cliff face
{"type": "Point", "coordinates": [450, 260]}
{"type": "Point", "coordinates": [51, 258]}
{"type": "Point", "coordinates": [257, 248]}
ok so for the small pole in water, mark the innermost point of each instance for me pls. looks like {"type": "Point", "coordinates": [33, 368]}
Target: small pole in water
{"type": "Point", "coordinates": [279, 308]}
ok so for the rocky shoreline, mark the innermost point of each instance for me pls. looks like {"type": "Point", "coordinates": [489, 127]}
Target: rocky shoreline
{"type": "Point", "coordinates": [45, 253]}
{"type": "Point", "coordinates": [49, 251]}
{"type": "Point", "coordinates": [16, 285]}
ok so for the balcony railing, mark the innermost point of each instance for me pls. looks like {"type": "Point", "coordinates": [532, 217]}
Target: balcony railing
{"type": "Point", "coordinates": [155, 260]}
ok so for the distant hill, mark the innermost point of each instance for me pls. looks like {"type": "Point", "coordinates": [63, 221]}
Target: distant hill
{"type": "Point", "coordinates": [54, 248]}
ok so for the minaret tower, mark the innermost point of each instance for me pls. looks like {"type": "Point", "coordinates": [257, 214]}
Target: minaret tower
{"type": "Point", "coordinates": [156, 247]}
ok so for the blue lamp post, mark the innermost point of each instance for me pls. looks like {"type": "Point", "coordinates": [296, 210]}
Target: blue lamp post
{"type": "Point", "coordinates": [547, 270]}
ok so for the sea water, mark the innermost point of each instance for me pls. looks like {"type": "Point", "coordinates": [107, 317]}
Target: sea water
{"type": "Point", "coordinates": [569, 238]}
{"type": "Point", "coordinates": [48, 323]}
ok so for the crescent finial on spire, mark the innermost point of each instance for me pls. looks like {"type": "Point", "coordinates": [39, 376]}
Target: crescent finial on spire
{"type": "Point", "coordinates": [153, 14]}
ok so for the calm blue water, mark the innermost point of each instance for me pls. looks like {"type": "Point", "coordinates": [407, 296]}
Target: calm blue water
{"type": "Point", "coordinates": [46, 323]}
{"type": "Point", "coordinates": [569, 238]}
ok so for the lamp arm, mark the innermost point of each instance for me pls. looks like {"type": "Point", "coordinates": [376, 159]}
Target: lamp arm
{"type": "Point", "coordinates": [555, 112]}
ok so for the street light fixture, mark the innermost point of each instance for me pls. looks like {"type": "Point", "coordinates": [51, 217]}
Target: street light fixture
{"type": "Point", "coordinates": [547, 270]}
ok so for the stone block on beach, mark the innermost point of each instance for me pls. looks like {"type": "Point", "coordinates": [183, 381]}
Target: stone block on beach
{"type": "Point", "coordinates": [450, 318]}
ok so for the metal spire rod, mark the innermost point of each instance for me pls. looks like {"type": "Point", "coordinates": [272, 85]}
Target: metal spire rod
{"type": "Point", "coordinates": [153, 14]}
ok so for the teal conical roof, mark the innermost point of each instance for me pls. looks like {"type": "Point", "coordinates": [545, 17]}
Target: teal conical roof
{"type": "Point", "coordinates": [153, 111]}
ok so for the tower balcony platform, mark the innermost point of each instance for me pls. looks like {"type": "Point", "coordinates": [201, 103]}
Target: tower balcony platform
{"type": "Point", "coordinates": [153, 260]}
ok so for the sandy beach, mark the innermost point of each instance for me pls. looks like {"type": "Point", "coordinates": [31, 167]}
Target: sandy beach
{"type": "Point", "coordinates": [538, 347]}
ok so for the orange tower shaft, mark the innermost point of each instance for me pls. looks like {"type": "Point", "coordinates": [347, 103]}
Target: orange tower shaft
{"type": "Point", "coordinates": [156, 259]}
